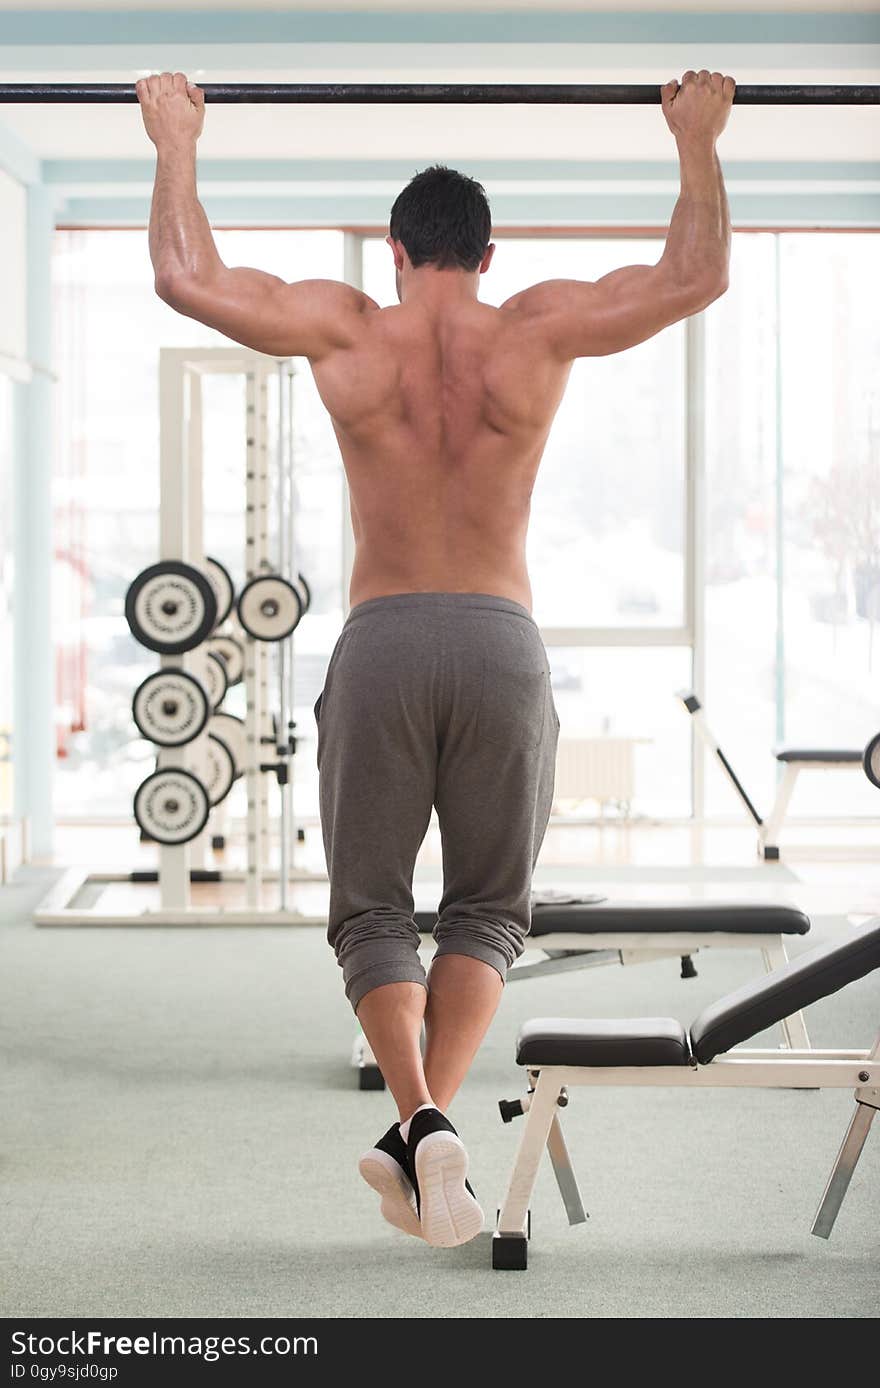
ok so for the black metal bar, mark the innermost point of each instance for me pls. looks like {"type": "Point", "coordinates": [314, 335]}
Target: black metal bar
{"type": "Point", "coordinates": [418, 93]}
{"type": "Point", "coordinates": [739, 787]}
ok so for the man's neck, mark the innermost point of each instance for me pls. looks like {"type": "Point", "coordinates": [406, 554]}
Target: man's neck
{"type": "Point", "coordinates": [438, 288]}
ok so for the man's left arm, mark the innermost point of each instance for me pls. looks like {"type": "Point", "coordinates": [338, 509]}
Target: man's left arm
{"type": "Point", "coordinates": [308, 318]}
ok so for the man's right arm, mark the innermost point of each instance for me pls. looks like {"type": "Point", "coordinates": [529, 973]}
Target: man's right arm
{"type": "Point", "coordinates": [586, 319]}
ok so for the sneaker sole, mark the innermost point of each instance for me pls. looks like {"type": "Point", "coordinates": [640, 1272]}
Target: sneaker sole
{"type": "Point", "coordinates": [384, 1175]}
{"type": "Point", "coordinates": [449, 1213]}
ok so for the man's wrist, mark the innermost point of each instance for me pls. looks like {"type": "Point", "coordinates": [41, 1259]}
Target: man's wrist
{"type": "Point", "coordinates": [696, 146]}
{"type": "Point", "coordinates": [176, 150]}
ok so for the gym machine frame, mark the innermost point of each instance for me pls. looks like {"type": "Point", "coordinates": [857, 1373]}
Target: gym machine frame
{"type": "Point", "coordinates": [181, 512]}
{"type": "Point", "coordinates": [790, 760]}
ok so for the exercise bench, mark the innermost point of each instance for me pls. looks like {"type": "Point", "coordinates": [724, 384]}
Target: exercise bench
{"type": "Point", "coordinates": [657, 1052]}
{"type": "Point", "coordinates": [574, 934]}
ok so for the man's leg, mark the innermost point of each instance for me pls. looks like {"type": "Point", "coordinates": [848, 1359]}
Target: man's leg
{"type": "Point", "coordinates": [377, 762]}
{"type": "Point", "coordinates": [463, 995]}
{"type": "Point", "coordinates": [391, 1017]}
{"type": "Point", "coordinates": [378, 750]}
{"type": "Point", "coordinates": [494, 792]}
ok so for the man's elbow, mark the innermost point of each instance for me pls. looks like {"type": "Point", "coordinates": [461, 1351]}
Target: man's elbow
{"type": "Point", "coordinates": [173, 288]}
{"type": "Point", "coordinates": [712, 286]}
{"type": "Point", "coordinates": [164, 284]}
{"type": "Point", "coordinates": [720, 286]}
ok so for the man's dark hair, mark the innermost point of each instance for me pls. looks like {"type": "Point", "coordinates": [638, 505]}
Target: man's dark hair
{"type": "Point", "coordinates": [442, 218]}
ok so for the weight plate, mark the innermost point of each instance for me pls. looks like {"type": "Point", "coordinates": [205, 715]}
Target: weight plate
{"type": "Point", "coordinates": [210, 671]}
{"type": "Point", "coordinates": [269, 607]}
{"type": "Point", "coordinates": [170, 607]}
{"type": "Point", "coordinates": [871, 761]}
{"type": "Point", "coordinates": [231, 651]}
{"type": "Point", "coordinates": [214, 765]}
{"type": "Point", "coordinates": [303, 585]}
{"type": "Point", "coordinates": [170, 707]}
{"type": "Point", "coordinates": [231, 730]}
{"type": "Point", "coordinates": [224, 589]}
{"type": "Point", "coordinates": [171, 806]}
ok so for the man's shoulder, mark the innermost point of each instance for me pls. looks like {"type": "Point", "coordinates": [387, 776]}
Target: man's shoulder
{"type": "Point", "coordinates": [538, 299]}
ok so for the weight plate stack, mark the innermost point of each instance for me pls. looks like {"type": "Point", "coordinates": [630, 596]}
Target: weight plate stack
{"type": "Point", "coordinates": [305, 591]}
{"type": "Point", "coordinates": [170, 607]}
{"type": "Point", "coordinates": [214, 765]}
{"type": "Point", "coordinates": [210, 671]}
{"type": "Point", "coordinates": [231, 730]}
{"type": "Point", "coordinates": [220, 580]}
{"type": "Point", "coordinates": [230, 650]}
{"type": "Point", "coordinates": [170, 707]}
{"type": "Point", "coordinates": [270, 608]}
{"type": "Point", "coordinates": [171, 806]}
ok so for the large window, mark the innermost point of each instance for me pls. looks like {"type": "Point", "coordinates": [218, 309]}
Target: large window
{"type": "Point", "coordinates": [793, 523]}
{"type": "Point", "coordinates": [6, 575]}
{"type": "Point", "coordinates": [789, 545]}
{"type": "Point", "coordinates": [109, 328]}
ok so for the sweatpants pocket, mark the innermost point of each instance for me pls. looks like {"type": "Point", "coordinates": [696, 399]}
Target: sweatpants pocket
{"type": "Point", "coordinates": [514, 701]}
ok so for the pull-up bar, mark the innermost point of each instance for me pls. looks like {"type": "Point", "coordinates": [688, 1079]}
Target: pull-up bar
{"type": "Point", "coordinates": [441, 93]}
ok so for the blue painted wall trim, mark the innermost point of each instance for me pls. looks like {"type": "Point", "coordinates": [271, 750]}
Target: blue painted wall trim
{"type": "Point", "coordinates": [341, 26]}
{"type": "Point", "coordinates": [122, 171]}
{"type": "Point", "coordinates": [17, 158]}
{"type": "Point", "coordinates": [526, 209]}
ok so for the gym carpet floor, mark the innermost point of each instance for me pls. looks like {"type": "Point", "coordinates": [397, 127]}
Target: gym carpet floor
{"type": "Point", "coordinates": [181, 1131]}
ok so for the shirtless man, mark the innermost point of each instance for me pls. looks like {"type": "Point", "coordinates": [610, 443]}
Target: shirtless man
{"type": "Point", "coordinates": [438, 690]}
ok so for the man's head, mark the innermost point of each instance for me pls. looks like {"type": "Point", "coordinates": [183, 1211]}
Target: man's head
{"type": "Point", "coordinates": [441, 220]}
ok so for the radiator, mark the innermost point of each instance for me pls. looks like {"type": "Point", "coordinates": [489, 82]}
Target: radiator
{"type": "Point", "coordinates": [596, 768]}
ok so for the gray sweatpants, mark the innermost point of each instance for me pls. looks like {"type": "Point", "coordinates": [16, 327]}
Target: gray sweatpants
{"type": "Point", "coordinates": [433, 699]}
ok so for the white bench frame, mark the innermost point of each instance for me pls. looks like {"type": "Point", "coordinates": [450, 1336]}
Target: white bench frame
{"type": "Point", "coordinates": [739, 1068]}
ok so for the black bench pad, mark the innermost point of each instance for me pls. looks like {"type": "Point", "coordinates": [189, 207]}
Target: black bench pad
{"type": "Point", "coordinates": [757, 1006]}
{"type": "Point", "coordinates": [735, 918]}
{"type": "Point", "coordinates": [840, 756]}
{"type": "Point", "coordinates": [736, 1018]}
{"type": "Point", "coordinates": [564, 1041]}
{"type": "Point", "coordinates": [744, 918]}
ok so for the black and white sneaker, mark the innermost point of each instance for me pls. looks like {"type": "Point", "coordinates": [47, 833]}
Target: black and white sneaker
{"type": "Point", "coordinates": [438, 1164]}
{"type": "Point", "coordinates": [385, 1167]}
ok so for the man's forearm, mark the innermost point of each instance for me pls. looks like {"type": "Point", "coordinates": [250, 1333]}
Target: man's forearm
{"type": "Point", "coordinates": [181, 242]}
{"type": "Point", "coordinates": [698, 240]}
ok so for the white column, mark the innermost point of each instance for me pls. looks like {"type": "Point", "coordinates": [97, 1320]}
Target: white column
{"type": "Point", "coordinates": [174, 862]}
{"type": "Point", "coordinates": [33, 718]}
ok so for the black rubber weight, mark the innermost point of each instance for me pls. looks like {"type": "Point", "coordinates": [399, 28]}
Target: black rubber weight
{"type": "Point", "coordinates": [188, 781]}
{"type": "Point", "coordinates": [172, 568]}
{"type": "Point", "coordinates": [226, 579]}
{"type": "Point", "coordinates": [155, 680]}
